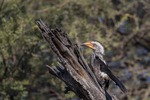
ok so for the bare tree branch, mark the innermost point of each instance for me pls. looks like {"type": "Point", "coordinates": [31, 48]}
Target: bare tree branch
{"type": "Point", "coordinates": [74, 70]}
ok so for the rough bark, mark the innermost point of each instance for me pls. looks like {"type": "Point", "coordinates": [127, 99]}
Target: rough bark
{"type": "Point", "coordinates": [73, 69]}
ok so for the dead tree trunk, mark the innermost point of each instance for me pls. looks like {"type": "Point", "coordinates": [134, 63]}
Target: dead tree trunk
{"type": "Point", "coordinates": [73, 69]}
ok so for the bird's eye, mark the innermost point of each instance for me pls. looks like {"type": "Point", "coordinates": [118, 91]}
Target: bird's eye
{"type": "Point", "coordinates": [94, 45]}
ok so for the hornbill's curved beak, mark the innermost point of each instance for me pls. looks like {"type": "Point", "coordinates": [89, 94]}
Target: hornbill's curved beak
{"type": "Point", "coordinates": [88, 44]}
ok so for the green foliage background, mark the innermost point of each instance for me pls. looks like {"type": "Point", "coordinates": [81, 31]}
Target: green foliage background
{"type": "Point", "coordinates": [122, 26]}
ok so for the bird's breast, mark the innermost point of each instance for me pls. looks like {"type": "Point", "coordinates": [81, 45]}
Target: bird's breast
{"type": "Point", "coordinates": [103, 75]}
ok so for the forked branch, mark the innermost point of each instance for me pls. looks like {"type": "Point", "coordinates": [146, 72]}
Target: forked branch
{"type": "Point", "coordinates": [73, 69]}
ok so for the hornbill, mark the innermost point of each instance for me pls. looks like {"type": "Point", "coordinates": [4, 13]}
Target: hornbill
{"type": "Point", "coordinates": [100, 67]}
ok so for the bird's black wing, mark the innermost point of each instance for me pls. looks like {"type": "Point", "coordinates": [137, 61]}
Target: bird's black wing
{"type": "Point", "coordinates": [104, 68]}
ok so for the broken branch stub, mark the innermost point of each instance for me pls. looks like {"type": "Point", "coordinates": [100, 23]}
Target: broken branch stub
{"type": "Point", "coordinates": [75, 72]}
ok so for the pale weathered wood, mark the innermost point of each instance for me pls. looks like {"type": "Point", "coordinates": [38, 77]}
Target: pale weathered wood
{"type": "Point", "coordinates": [73, 69]}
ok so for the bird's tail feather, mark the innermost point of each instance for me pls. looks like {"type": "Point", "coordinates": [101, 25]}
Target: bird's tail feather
{"type": "Point", "coordinates": [117, 81]}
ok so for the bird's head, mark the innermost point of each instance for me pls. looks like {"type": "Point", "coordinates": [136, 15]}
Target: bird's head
{"type": "Point", "coordinates": [95, 45]}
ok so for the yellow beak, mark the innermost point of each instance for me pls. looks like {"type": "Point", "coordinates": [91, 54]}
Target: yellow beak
{"type": "Point", "coordinates": [89, 44]}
